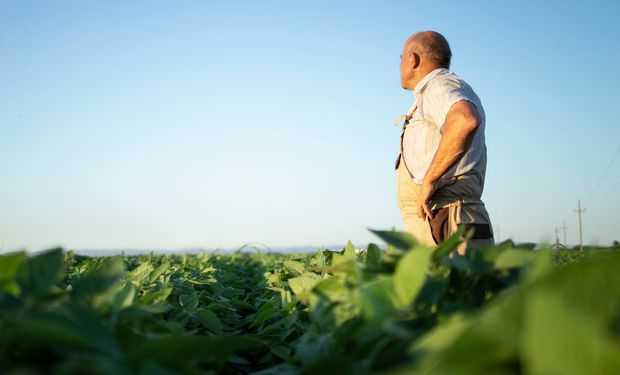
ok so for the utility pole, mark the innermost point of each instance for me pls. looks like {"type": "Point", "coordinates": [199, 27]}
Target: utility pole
{"type": "Point", "coordinates": [564, 228]}
{"type": "Point", "coordinates": [579, 211]}
{"type": "Point", "coordinates": [557, 245]}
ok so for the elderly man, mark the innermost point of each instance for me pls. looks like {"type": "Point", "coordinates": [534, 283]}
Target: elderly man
{"type": "Point", "coordinates": [442, 162]}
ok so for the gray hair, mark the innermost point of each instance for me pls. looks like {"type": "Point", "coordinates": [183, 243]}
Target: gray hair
{"type": "Point", "coordinates": [433, 46]}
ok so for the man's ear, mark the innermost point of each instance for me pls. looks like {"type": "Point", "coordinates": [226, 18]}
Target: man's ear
{"type": "Point", "coordinates": [415, 60]}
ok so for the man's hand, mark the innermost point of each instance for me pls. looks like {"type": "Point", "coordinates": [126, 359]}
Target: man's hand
{"type": "Point", "coordinates": [428, 188]}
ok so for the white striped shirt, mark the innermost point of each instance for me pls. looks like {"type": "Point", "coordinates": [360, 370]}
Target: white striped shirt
{"type": "Point", "coordinates": [434, 96]}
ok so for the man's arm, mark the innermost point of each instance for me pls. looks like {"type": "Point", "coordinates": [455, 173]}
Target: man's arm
{"type": "Point", "coordinates": [458, 132]}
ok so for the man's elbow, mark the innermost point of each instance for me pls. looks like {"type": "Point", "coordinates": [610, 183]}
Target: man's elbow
{"type": "Point", "coordinates": [468, 122]}
{"type": "Point", "coordinates": [464, 116]}
{"type": "Point", "coordinates": [471, 123]}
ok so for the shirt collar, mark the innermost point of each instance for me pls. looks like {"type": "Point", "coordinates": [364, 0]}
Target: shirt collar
{"type": "Point", "coordinates": [417, 90]}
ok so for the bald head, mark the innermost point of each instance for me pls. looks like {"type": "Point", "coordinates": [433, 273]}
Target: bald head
{"type": "Point", "coordinates": [432, 46]}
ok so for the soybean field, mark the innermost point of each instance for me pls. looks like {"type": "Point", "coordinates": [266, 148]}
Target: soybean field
{"type": "Point", "coordinates": [404, 309]}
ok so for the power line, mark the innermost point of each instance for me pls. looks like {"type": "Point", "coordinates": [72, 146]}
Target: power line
{"type": "Point", "coordinates": [611, 162]}
{"type": "Point", "coordinates": [598, 201]}
{"type": "Point", "coordinates": [611, 190]}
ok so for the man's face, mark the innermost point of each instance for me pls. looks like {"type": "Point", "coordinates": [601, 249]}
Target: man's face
{"type": "Point", "coordinates": [406, 68]}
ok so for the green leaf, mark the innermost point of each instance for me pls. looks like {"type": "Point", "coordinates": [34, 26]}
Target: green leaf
{"type": "Point", "coordinates": [139, 311]}
{"type": "Point", "coordinates": [281, 351]}
{"type": "Point", "coordinates": [156, 295]}
{"type": "Point", "coordinates": [400, 240]}
{"type": "Point", "coordinates": [540, 267]}
{"type": "Point", "coordinates": [313, 348]}
{"type": "Point", "coordinates": [189, 301]}
{"type": "Point", "coordinates": [296, 268]}
{"type": "Point", "coordinates": [158, 272]}
{"type": "Point", "coordinates": [100, 279]}
{"type": "Point", "coordinates": [349, 251]}
{"type": "Point", "coordinates": [52, 329]}
{"type": "Point", "coordinates": [351, 268]}
{"type": "Point", "coordinates": [433, 291]}
{"type": "Point", "coordinates": [449, 245]}
{"type": "Point", "coordinates": [123, 297]}
{"type": "Point", "coordinates": [459, 263]}
{"type": "Point", "coordinates": [442, 336]}
{"type": "Point", "coordinates": [333, 288]}
{"type": "Point", "coordinates": [267, 311]}
{"type": "Point", "coordinates": [411, 273]}
{"type": "Point", "coordinates": [71, 326]}
{"type": "Point", "coordinates": [140, 274]}
{"type": "Point", "coordinates": [572, 313]}
{"type": "Point", "coordinates": [304, 283]}
{"type": "Point", "coordinates": [513, 258]}
{"type": "Point", "coordinates": [373, 255]}
{"type": "Point", "coordinates": [483, 343]}
{"type": "Point", "coordinates": [209, 320]}
{"type": "Point", "coordinates": [38, 274]}
{"type": "Point", "coordinates": [9, 265]}
{"type": "Point", "coordinates": [377, 299]}
{"type": "Point", "coordinates": [337, 259]}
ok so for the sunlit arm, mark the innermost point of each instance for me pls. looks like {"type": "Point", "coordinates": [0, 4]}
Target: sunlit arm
{"type": "Point", "coordinates": [458, 132]}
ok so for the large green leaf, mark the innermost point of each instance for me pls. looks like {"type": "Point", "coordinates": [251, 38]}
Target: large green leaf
{"type": "Point", "coordinates": [9, 265]}
{"type": "Point", "coordinates": [333, 288]}
{"type": "Point", "coordinates": [100, 279]}
{"type": "Point", "coordinates": [541, 266]}
{"type": "Point", "coordinates": [123, 297]}
{"type": "Point", "coordinates": [513, 258]}
{"type": "Point", "coordinates": [140, 311]}
{"type": "Point", "coordinates": [303, 284]}
{"type": "Point", "coordinates": [449, 245]}
{"type": "Point", "coordinates": [189, 301]}
{"type": "Point", "coordinates": [313, 348]}
{"type": "Point", "coordinates": [296, 268]}
{"type": "Point", "coordinates": [141, 274]}
{"type": "Point", "coordinates": [71, 326]}
{"type": "Point", "coordinates": [159, 294]}
{"type": "Point", "coordinates": [410, 274]}
{"type": "Point", "coordinates": [209, 320]}
{"type": "Point", "coordinates": [442, 336]}
{"type": "Point", "coordinates": [38, 274]}
{"type": "Point", "coordinates": [349, 251]}
{"type": "Point", "coordinates": [481, 344]}
{"type": "Point", "coordinates": [267, 311]}
{"type": "Point", "coordinates": [377, 299]}
{"type": "Point", "coordinates": [400, 240]}
{"type": "Point", "coordinates": [572, 317]}
{"type": "Point", "coordinates": [160, 270]}
{"type": "Point", "coordinates": [373, 255]}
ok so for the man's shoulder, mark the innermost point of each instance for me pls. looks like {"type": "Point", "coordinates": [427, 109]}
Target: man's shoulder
{"type": "Point", "coordinates": [447, 80]}
{"type": "Point", "coordinates": [448, 87]}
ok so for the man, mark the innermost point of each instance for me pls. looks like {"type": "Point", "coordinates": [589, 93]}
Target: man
{"type": "Point", "coordinates": [441, 167]}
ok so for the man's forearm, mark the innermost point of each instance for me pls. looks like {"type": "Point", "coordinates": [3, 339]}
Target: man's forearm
{"type": "Point", "coordinates": [458, 133]}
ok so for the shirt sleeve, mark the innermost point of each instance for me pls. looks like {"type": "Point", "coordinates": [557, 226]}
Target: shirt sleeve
{"type": "Point", "coordinates": [441, 95]}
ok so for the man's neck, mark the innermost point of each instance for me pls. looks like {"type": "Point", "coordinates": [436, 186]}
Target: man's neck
{"type": "Point", "coordinates": [424, 71]}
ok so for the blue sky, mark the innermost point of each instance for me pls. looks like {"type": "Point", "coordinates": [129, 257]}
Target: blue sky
{"type": "Point", "coordinates": [152, 124]}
